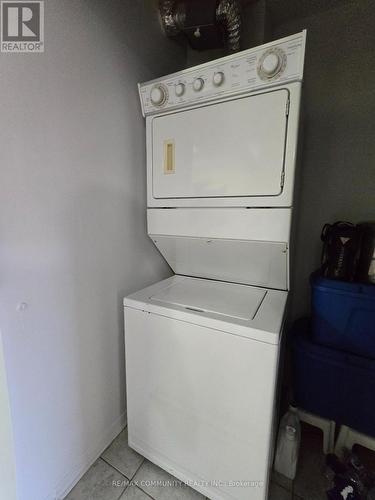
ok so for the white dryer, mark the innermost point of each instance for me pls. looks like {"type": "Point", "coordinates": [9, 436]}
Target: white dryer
{"type": "Point", "coordinates": [202, 347]}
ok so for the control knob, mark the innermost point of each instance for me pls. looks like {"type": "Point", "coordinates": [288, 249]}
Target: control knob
{"type": "Point", "coordinates": [198, 84]}
{"type": "Point", "coordinates": [218, 78]}
{"type": "Point", "coordinates": [272, 63]}
{"type": "Point", "coordinates": [159, 95]}
{"type": "Point", "coordinates": [179, 89]}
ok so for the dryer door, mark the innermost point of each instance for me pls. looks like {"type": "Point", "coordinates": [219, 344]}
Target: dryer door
{"type": "Point", "coordinates": [234, 148]}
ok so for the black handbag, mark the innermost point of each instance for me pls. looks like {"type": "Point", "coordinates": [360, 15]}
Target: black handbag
{"type": "Point", "coordinates": [341, 249]}
{"type": "Point", "coordinates": [366, 263]}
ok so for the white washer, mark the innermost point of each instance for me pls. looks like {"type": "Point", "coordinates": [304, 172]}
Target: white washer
{"type": "Point", "coordinates": [202, 347]}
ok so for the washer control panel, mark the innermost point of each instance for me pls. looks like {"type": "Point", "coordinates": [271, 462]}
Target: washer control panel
{"type": "Point", "coordinates": [268, 65]}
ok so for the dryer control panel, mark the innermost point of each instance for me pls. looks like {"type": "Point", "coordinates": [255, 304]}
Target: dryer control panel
{"type": "Point", "coordinates": [265, 66]}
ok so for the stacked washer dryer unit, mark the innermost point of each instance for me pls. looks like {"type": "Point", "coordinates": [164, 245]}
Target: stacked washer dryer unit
{"type": "Point", "coordinates": [202, 347]}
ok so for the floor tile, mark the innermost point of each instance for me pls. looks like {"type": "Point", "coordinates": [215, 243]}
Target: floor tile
{"type": "Point", "coordinates": [99, 484]}
{"type": "Point", "coordinates": [173, 489]}
{"type": "Point", "coordinates": [134, 493]}
{"type": "Point", "coordinates": [276, 492]}
{"type": "Point", "coordinates": [122, 457]}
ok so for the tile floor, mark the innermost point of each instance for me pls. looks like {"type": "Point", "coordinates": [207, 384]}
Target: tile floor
{"type": "Point", "coordinates": [107, 478]}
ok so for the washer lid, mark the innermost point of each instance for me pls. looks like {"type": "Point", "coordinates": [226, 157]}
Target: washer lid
{"type": "Point", "coordinates": [243, 310]}
{"type": "Point", "coordinates": [259, 263]}
{"type": "Point", "coordinates": [206, 296]}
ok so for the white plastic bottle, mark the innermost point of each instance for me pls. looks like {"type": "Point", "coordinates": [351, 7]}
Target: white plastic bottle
{"type": "Point", "coordinates": [288, 444]}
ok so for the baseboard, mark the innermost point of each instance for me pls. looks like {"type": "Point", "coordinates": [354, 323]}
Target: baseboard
{"type": "Point", "coordinates": [71, 477]}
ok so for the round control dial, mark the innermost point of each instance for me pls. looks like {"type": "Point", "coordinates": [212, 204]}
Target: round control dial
{"type": "Point", "coordinates": [272, 63]}
{"type": "Point", "coordinates": [198, 84]}
{"type": "Point", "coordinates": [159, 95]}
{"type": "Point", "coordinates": [218, 78]}
{"type": "Point", "coordinates": [179, 89]}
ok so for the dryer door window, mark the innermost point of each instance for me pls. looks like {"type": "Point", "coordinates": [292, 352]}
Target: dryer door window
{"type": "Point", "coordinates": [230, 149]}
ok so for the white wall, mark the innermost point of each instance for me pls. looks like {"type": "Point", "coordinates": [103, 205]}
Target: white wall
{"type": "Point", "coordinates": [72, 229]}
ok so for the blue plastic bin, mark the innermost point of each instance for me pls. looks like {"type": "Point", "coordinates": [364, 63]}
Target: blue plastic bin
{"type": "Point", "coordinates": [343, 315]}
{"type": "Point", "coordinates": [333, 384]}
